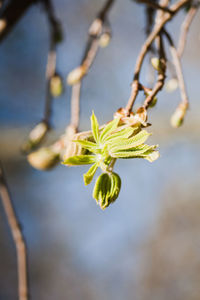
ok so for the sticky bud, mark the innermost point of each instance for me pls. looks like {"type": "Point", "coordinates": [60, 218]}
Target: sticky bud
{"type": "Point", "coordinates": [178, 116]}
{"type": "Point", "coordinates": [106, 189]}
{"type": "Point", "coordinates": [157, 64]}
{"type": "Point", "coordinates": [43, 159]}
{"type": "Point", "coordinates": [104, 40]}
{"type": "Point", "coordinates": [76, 75]}
{"type": "Point", "coordinates": [36, 136]}
{"type": "Point", "coordinates": [56, 85]}
{"type": "Point", "coordinates": [171, 85]}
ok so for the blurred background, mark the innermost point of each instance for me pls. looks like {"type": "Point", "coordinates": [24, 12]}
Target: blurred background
{"type": "Point", "coordinates": [144, 246]}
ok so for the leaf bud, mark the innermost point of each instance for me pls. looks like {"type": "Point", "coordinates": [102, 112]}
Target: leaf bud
{"type": "Point", "coordinates": [178, 116]}
{"type": "Point", "coordinates": [158, 64]}
{"type": "Point", "coordinates": [76, 75]}
{"type": "Point", "coordinates": [36, 136]}
{"type": "Point", "coordinates": [56, 85]}
{"type": "Point", "coordinates": [43, 159]}
{"type": "Point", "coordinates": [104, 39]}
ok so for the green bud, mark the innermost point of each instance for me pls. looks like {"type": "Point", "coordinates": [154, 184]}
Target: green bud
{"type": "Point", "coordinates": [76, 75]}
{"type": "Point", "coordinates": [104, 39]}
{"type": "Point", "coordinates": [36, 136]}
{"type": "Point", "coordinates": [178, 116]}
{"type": "Point", "coordinates": [157, 64]}
{"type": "Point", "coordinates": [106, 189]}
{"type": "Point", "coordinates": [56, 85]}
{"type": "Point", "coordinates": [43, 159]}
{"type": "Point", "coordinates": [153, 102]}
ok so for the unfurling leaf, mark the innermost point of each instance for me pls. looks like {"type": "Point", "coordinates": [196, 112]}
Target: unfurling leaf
{"type": "Point", "coordinates": [125, 144]}
{"type": "Point", "coordinates": [106, 189]}
{"type": "Point", "coordinates": [95, 127]}
{"type": "Point", "coordinates": [110, 127]}
{"type": "Point", "coordinates": [80, 160]}
{"type": "Point", "coordinates": [90, 174]}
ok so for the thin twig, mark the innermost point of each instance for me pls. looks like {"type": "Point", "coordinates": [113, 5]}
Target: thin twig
{"type": "Point", "coordinates": [17, 237]}
{"type": "Point", "coordinates": [12, 13]}
{"type": "Point", "coordinates": [75, 105]}
{"type": "Point", "coordinates": [54, 28]}
{"type": "Point", "coordinates": [161, 75]}
{"type": "Point", "coordinates": [89, 56]}
{"type": "Point", "coordinates": [154, 5]}
{"type": "Point", "coordinates": [178, 68]}
{"type": "Point", "coordinates": [184, 29]}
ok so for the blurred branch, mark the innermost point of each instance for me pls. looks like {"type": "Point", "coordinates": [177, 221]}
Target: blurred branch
{"type": "Point", "coordinates": [185, 27]}
{"type": "Point", "coordinates": [161, 74]}
{"type": "Point", "coordinates": [17, 237]}
{"type": "Point", "coordinates": [12, 14]}
{"type": "Point", "coordinates": [96, 29]}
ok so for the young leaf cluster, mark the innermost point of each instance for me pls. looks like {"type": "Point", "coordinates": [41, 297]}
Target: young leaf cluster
{"type": "Point", "coordinates": [114, 141]}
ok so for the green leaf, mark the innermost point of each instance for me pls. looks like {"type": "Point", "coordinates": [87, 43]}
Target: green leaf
{"type": "Point", "coordinates": [90, 174]}
{"type": "Point", "coordinates": [109, 129]}
{"type": "Point", "coordinates": [95, 127]}
{"type": "Point", "coordinates": [123, 133]}
{"type": "Point", "coordinates": [80, 160]}
{"type": "Point", "coordinates": [87, 145]}
{"type": "Point", "coordinates": [125, 144]}
{"type": "Point", "coordinates": [136, 152]}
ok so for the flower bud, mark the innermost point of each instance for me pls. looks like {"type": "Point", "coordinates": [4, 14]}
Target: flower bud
{"type": "Point", "coordinates": [56, 85]}
{"type": "Point", "coordinates": [158, 64]}
{"type": "Point", "coordinates": [106, 189]}
{"type": "Point", "coordinates": [76, 75]}
{"type": "Point", "coordinates": [43, 159]}
{"type": "Point", "coordinates": [104, 39]}
{"type": "Point", "coordinates": [36, 136]}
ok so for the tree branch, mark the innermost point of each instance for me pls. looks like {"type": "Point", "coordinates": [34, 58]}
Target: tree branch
{"type": "Point", "coordinates": [185, 27]}
{"type": "Point", "coordinates": [155, 32]}
{"type": "Point", "coordinates": [17, 237]}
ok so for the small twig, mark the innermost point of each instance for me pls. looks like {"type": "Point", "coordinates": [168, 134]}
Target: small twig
{"type": "Point", "coordinates": [161, 75]}
{"type": "Point", "coordinates": [17, 237]}
{"type": "Point", "coordinates": [104, 11]}
{"type": "Point", "coordinates": [185, 27]}
{"type": "Point", "coordinates": [12, 13]}
{"type": "Point", "coordinates": [178, 68]}
{"type": "Point", "coordinates": [154, 5]}
{"type": "Point", "coordinates": [89, 56]}
{"type": "Point", "coordinates": [75, 105]}
{"type": "Point", "coordinates": [54, 28]}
